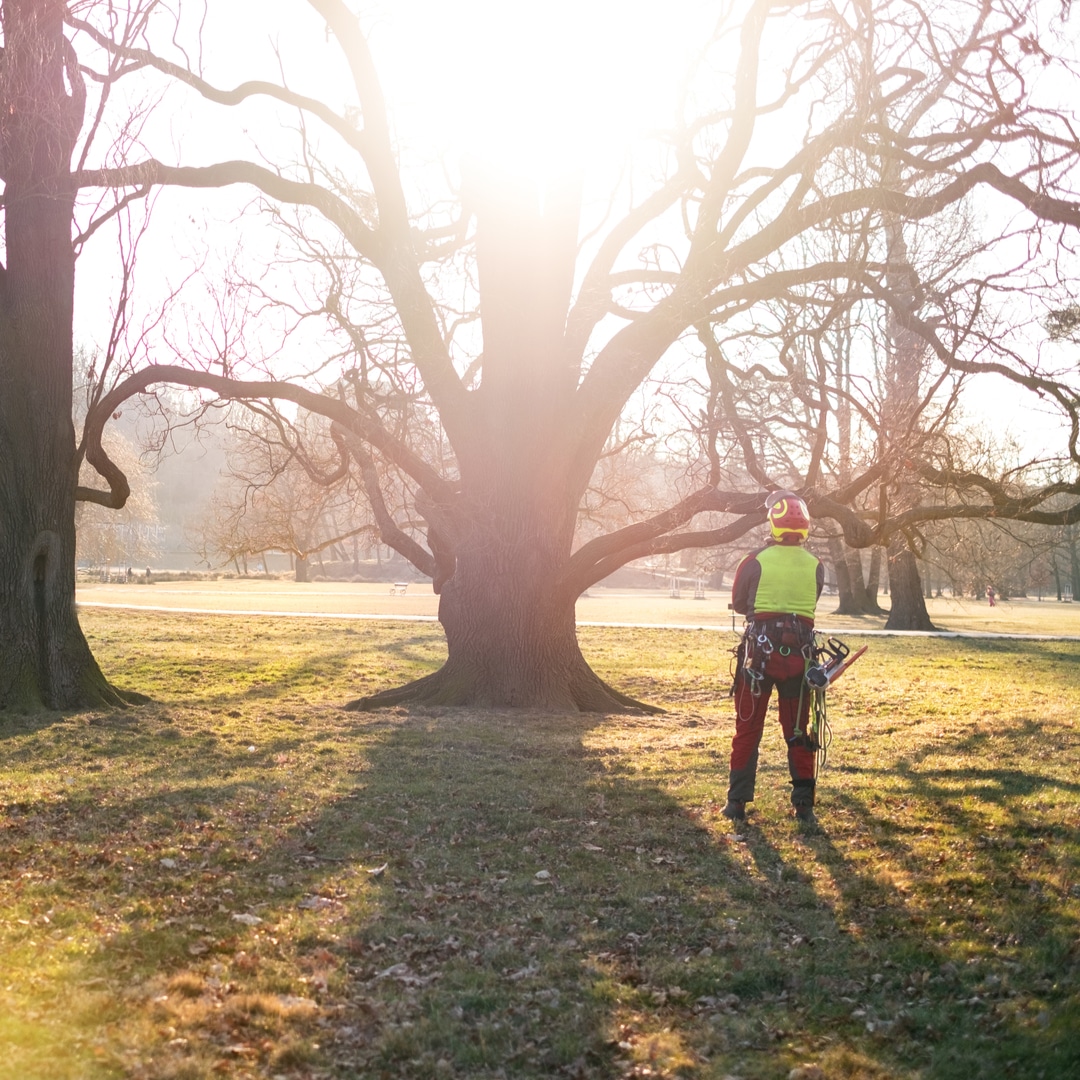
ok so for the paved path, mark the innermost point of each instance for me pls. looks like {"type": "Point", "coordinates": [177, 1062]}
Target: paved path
{"type": "Point", "coordinates": [392, 616]}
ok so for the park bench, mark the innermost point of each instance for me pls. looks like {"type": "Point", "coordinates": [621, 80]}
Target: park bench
{"type": "Point", "coordinates": [398, 588]}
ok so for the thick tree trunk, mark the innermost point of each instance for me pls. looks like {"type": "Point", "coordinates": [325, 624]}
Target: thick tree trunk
{"type": "Point", "coordinates": [873, 577]}
{"type": "Point", "coordinates": [847, 604]}
{"type": "Point", "coordinates": [504, 540]}
{"type": "Point", "coordinates": [908, 604]}
{"type": "Point", "coordinates": [511, 632]}
{"type": "Point", "coordinates": [867, 588]}
{"type": "Point", "coordinates": [855, 598]}
{"type": "Point", "coordinates": [44, 657]}
{"type": "Point", "coordinates": [1074, 564]}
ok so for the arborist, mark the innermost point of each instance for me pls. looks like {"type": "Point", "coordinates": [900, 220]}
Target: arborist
{"type": "Point", "coordinates": [776, 588]}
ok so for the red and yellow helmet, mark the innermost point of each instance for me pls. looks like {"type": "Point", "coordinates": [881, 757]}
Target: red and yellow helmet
{"type": "Point", "coordinates": [789, 519]}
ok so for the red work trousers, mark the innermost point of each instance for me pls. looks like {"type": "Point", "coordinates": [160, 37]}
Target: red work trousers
{"type": "Point", "coordinates": [786, 673]}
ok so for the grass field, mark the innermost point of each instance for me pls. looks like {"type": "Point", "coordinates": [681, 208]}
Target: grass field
{"type": "Point", "coordinates": [242, 880]}
{"type": "Point", "coordinates": [599, 605]}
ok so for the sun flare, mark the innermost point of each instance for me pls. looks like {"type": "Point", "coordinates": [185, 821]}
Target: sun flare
{"type": "Point", "coordinates": [536, 90]}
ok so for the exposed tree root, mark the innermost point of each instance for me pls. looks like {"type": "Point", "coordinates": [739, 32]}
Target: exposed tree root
{"type": "Point", "coordinates": [96, 691]}
{"type": "Point", "coordinates": [857, 609]}
{"type": "Point", "coordinates": [592, 694]}
{"type": "Point", "coordinates": [92, 691]}
{"type": "Point", "coordinates": [916, 622]}
{"type": "Point", "coordinates": [586, 692]}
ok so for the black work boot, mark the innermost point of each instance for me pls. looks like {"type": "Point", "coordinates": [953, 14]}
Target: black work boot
{"type": "Point", "coordinates": [735, 810]}
{"type": "Point", "coordinates": [802, 800]}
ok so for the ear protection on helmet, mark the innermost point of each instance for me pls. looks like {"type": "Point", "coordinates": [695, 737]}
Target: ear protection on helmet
{"type": "Point", "coordinates": [789, 519]}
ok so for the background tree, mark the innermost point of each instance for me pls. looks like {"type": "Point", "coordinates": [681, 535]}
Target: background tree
{"type": "Point", "coordinates": [281, 492]}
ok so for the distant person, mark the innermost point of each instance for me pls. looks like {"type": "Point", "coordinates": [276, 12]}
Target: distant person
{"type": "Point", "coordinates": [990, 595]}
{"type": "Point", "coordinates": [148, 575]}
{"type": "Point", "coordinates": [776, 588]}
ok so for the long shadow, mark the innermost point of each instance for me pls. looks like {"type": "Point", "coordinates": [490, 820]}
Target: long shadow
{"type": "Point", "coordinates": [1053, 651]}
{"type": "Point", "coordinates": [976, 878]}
{"type": "Point", "coordinates": [462, 904]}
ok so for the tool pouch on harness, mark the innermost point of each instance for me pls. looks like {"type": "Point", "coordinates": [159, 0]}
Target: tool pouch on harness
{"type": "Point", "coordinates": [784, 635]}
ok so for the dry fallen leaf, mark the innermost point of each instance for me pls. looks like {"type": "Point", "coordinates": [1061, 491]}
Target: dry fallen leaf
{"type": "Point", "coordinates": [315, 903]}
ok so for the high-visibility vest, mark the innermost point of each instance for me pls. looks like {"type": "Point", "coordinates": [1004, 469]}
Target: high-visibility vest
{"type": "Point", "coordinates": [788, 582]}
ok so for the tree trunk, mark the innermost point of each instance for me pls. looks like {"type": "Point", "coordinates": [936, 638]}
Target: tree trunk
{"type": "Point", "coordinates": [868, 587]}
{"type": "Point", "coordinates": [505, 537]}
{"type": "Point", "coordinates": [855, 598]}
{"type": "Point", "coordinates": [1074, 564]}
{"type": "Point", "coordinates": [873, 578]}
{"type": "Point", "coordinates": [511, 632]}
{"type": "Point", "coordinates": [908, 610]}
{"type": "Point", "coordinates": [44, 657]}
{"type": "Point", "coordinates": [301, 565]}
{"type": "Point", "coordinates": [508, 645]}
{"type": "Point", "coordinates": [847, 605]}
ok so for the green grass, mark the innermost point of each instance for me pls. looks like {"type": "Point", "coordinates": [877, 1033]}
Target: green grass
{"type": "Point", "coordinates": [439, 893]}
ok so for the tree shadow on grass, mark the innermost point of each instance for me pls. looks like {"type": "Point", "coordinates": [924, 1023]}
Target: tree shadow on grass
{"type": "Point", "coordinates": [966, 869]}
{"type": "Point", "coordinates": [486, 894]}
{"type": "Point", "coordinates": [973, 971]}
{"type": "Point", "coordinates": [1029, 650]}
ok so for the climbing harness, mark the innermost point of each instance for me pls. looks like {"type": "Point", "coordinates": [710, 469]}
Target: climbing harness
{"type": "Point", "coordinates": [826, 659]}
{"type": "Point", "coordinates": [781, 634]}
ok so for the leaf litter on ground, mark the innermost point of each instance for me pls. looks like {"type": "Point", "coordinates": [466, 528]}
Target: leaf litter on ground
{"type": "Point", "coordinates": [433, 892]}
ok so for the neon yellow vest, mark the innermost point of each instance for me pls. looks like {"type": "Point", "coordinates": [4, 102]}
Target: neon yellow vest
{"type": "Point", "coordinates": [788, 580]}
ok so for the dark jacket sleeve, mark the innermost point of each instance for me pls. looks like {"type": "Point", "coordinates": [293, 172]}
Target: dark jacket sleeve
{"type": "Point", "coordinates": [820, 578]}
{"type": "Point", "coordinates": [744, 587]}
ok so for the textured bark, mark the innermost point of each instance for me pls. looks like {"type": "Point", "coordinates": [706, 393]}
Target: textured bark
{"type": "Point", "coordinates": [843, 577]}
{"type": "Point", "coordinates": [873, 577]}
{"type": "Point", "coordinates": [855, 598]}
{"type": "Point", "coordinates": [1074, 561]}
{"type": "Point", "coordinates": [44, 657]}
{"type": "Point", "coordinates": [908, 610]}
{"type": "Point", "coordinates": [510, 632]}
